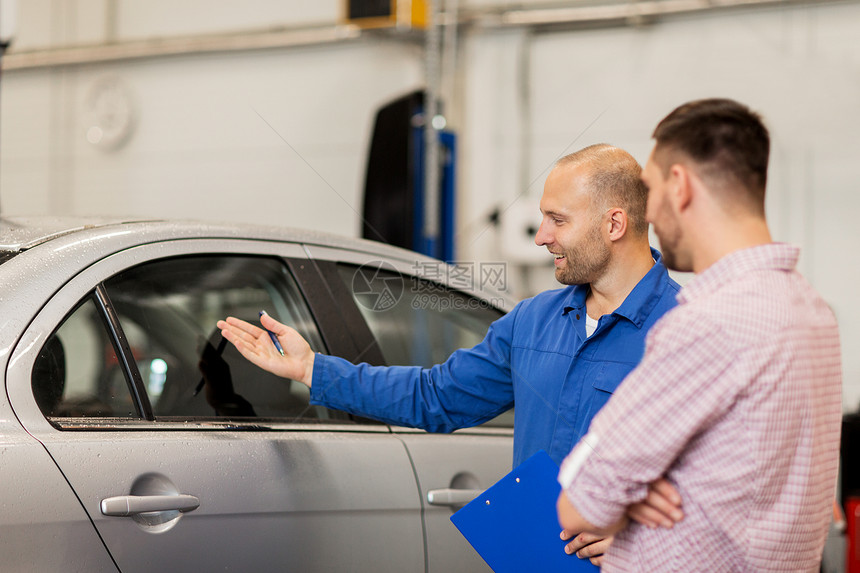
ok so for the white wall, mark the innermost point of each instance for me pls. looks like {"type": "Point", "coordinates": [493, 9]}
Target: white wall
{"type": "Point", "coordinates": [271, 136]}
{"type": "Point", "coordinates": [59, 23]}
{"type": "Point", "coordinates": [280, 136]}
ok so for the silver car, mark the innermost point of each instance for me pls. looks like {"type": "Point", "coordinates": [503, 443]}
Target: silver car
{"type": "Point", "coordinates": [133, 439]}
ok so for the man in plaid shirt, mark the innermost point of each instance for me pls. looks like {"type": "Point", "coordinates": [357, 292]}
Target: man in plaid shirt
{"type": "Point", "coordinates": [735, 409]}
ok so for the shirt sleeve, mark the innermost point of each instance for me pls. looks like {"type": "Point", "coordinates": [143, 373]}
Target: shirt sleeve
{"type": "Point", "coordinates": [472, 386]}
{"type": "Point", "coordinates": [683, 384]}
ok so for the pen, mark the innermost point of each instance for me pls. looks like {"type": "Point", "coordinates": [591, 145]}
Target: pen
{"type": "Point", "coordinates": [272, 336]}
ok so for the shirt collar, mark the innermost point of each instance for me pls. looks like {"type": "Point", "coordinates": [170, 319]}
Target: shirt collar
{"type": "Point", "coordinates": [639, 303]}
{"type": "Point", "coordinates": [772, 256]}
{"type": "Point", "coordinates": [575, 299]}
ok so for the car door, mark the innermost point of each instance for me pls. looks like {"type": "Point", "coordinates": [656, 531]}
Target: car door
{"type": "Point", "coordinates": [186, 457]}
{"type": "Point", "coordinates": [417, 321]}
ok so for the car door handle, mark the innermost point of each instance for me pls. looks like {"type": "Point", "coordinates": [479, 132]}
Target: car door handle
{"type": "Point", "coordinates": [127, 505]}
{"type": "Point", "coordinates": [452, 496]}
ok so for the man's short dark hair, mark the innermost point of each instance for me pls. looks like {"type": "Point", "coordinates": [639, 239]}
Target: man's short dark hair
{"type": "Point", "coordinates": [728, 142]}
{"type": "Point", "coordinates": [614, 180]}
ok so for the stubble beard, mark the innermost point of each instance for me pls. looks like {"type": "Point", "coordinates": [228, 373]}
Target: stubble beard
{"type": "Point", "coordinates": [586, 263]}
{"type": "Point", "coordinates": [669, 236]}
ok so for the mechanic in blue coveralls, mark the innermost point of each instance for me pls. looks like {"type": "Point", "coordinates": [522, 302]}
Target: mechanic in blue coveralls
{"type": "Point", "coordinates": [558, 356]}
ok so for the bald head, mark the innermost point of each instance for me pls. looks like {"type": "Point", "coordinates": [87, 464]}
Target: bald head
{"type": "Point", "coordinates": [613, 180]}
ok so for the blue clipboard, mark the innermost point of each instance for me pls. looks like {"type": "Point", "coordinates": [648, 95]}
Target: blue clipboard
{"type": "Point", "coordinates": [513, 525]}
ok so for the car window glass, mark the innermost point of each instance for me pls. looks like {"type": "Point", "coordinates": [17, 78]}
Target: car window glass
{"type": "Point", "coordinates": [168, 310]}
{"type": "Point", "coordinates": [77, 373]}
{"type": "Point", "coordinates": [418, 322]}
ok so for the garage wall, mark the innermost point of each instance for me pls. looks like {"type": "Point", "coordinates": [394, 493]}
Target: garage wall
{"type": "Point", "coordinates": [280, 135]}
{"type": "Point", "coordinates": [272, 138]}
{"type": "Point", "coordinates": [269, 136]}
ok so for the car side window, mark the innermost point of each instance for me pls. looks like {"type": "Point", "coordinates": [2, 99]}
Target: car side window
{"type": "Point", "coordinates": [77, 373]}
{"type": "Point", "coordinates": [416, 321]}
{"type": "Point", "coordinates": [167, 310]}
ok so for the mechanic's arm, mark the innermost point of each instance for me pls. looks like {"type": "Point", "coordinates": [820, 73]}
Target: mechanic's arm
{"type": "Point", "coordinates": [471, 387]}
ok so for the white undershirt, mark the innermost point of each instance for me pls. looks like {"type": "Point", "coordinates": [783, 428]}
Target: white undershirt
{"type": "Point", "coordinates": [590, 325]}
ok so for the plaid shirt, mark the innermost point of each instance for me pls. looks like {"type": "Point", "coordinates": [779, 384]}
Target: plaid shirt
{"type": "Point", "coordinates": [737, 401]}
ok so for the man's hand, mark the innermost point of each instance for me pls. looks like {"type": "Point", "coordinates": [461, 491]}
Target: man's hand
{"type": "Point", "coordinates": [255, 345]}
{"type": "Point", "coordinates": [662, 507]}
{"type": "Point", "coordinates": [586, 546]}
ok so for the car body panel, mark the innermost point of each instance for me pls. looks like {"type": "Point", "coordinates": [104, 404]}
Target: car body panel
{"type": "Point", "coordinates": [58, 535]}
{"type": "Point", "coordinates": [451, 464]}
{"type": "Point", "coordinates": [286, 501]}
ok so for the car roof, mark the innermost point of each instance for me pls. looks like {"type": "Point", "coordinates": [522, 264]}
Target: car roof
{"type": "Point", "coordinates": [21, 233]}
{"type": "Point", "coordinates": [101, 236]}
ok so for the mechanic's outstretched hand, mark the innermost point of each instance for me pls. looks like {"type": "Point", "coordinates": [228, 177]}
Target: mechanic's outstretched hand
{"type": "Point", "coordinates": [586, 545]}
{"type": "Point", "coordinates": [254, 344]}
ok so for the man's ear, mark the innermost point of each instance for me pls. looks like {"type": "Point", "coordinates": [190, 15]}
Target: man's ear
{"type": "Point", "coordinates": [680, 187]}
{"type": "Point", "coordinates": [617, 222]}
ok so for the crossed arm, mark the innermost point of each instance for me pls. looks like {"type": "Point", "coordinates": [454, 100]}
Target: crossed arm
{"type": "Point", "coordinates": [661, 508]}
